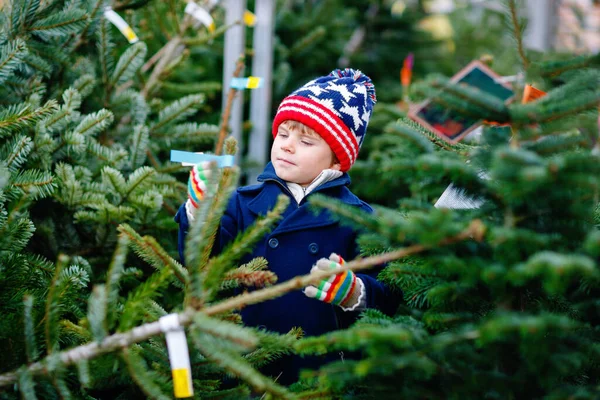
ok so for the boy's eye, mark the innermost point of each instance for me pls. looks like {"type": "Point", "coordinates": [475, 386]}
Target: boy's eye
{"type": "Point", "coordinates": [284, 135]}
{"type": "Point", "coordinates": [307, 143]}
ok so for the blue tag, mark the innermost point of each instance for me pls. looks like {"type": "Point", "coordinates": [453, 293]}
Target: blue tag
{"type": "Point", "coordinates": [195, 158]}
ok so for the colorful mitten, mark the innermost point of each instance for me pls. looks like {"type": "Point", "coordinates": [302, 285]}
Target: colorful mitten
{"type": "Point", "coordinates": [343, 289]}
{"type": "Point", "coordinates": [197, 187]}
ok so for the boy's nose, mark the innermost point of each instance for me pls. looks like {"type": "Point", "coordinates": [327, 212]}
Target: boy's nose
{"type": "Point", "coordinates": [287, 148]}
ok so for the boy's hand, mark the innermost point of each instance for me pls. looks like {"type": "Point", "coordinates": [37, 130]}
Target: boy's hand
{"type": "Point", "coordinates": [343, 289]}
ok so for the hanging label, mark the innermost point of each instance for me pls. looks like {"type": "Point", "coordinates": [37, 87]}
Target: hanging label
{"type": "Point", "coordinates": [249, 18]}
{"type": "Point", "coordinates": [179, 356]}
{"type": "Point", "coordinates": [201, 15]}
{"type": "Point", "coordinates": [530, 94]}
{"type": "Point", "coordinates": [187, 158]}
{"type": "Point", "coordinates": [251, 82]}
{"type": "Point", "coordinates": [121, 25]}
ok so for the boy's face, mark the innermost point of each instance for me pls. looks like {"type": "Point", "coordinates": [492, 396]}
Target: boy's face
{"type": "Point", "coordinates": [299, 157]}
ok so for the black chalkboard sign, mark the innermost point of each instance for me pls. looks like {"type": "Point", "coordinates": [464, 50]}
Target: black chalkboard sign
{"type": "Point", "coordinates": [449, 124]}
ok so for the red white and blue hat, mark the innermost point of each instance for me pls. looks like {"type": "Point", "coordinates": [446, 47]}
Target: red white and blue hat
{"type": "Point", "coordinates": [337, 106]}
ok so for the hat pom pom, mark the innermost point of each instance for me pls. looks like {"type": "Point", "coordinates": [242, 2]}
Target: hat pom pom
{"type": "Point", "coordinates": [358, 76]}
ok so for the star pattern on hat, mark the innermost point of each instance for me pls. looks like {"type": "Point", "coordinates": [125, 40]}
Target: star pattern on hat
{"type": "Point", "coordinates": [354, 113]}
{"type": "Point", "coordinates": [328, 103]}
{"type": "Point", "coordinates": [316, 90]}
{"type": "Point", "coordinates": [341, 89]}
{"type": "Point", "coordinates": [360, 89]}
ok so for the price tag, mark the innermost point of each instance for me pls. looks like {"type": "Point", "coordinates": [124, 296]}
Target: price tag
{"type": "Point", "coordinates": [121, 25]}
{"type": "Point", "coordinates": [201, 15]}
{"type": "Point", "coordinates": [179, 356]}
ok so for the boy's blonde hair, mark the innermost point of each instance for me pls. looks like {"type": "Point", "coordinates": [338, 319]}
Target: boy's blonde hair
{"type": "Point", "coordinates": [305, 130]}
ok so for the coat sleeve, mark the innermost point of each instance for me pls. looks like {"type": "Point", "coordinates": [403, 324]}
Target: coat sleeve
{"type": "Point", "coordinates": [227, 231]}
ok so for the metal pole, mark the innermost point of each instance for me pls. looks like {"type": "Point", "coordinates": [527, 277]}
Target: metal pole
{"type": "Point", "coordinates": [234, 47]}
{"type": "Point", "coordinates": [541, 28]}
{"type": "Point", "coordinates": [260, 99]}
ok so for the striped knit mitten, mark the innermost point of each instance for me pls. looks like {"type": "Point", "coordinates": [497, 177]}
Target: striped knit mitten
{"type": "Point", "coordinates": [343, 289]}
{"type": "Point", "coordinates": [197, 187]}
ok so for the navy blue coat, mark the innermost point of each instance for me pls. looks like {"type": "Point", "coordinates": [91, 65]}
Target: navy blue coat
{"type": "Point", "coordinates": [296, 243]}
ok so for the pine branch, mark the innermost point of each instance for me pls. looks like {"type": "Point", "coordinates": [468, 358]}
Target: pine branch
{"type": "Point", "coordinates": [217, 266]}
{"type": "Point", "coordinates": [113, 276]}
{"type": "Point", "coordinates": [15, 152]}
{"type": "Point", "coordinates": [146, 331]}
{"type": "Point", "coordinates": [129, 63]}
{"type": "Point", "coordinates": [150, 251]}
{"type": "Point", "coordinates": [236, 365]}
{"type": "Point", "coordinates": [178, 110]}
{"type": "Point", "coordinates": [140, 140]}
{"type": "Point", "coordinates": [142, 376]}
{"type": "Point", "coordinates": [19, 117]}
{"type": "Point", "coordinates": [202, 233]}
{"type": "Point", "coordinates": [518, 32]}
{"type": "Point", "coordinates": [11, 56]}
{"type": "Point", "coordinates": [59, 24]}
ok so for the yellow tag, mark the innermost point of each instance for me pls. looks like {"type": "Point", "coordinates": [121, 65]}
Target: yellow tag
{"type": "Point", "coordinates": [181, 383]}
{"type": "Point", "coordinates": [130, 35]}
{"type": "Point", "coordinates": [249, 18]}
{"type": "Point", "coordinates": [253, 82]}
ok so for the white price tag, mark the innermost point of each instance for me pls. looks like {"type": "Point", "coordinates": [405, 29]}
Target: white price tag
{"type": "Point", "coordinates": [179, 356]}
{"type": "Point", "coordinates": [121, 25]}
{"type": "Point", "coordinates": [200, 14]}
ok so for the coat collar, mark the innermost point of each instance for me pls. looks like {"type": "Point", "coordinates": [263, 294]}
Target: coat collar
{"type": "Point", "coordinates": [269, 175]}
{"type": "Point", "coordinates": [265, 197]}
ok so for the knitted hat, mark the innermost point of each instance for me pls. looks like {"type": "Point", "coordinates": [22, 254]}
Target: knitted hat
{"type": "Point", "coordinates": [337, 107]}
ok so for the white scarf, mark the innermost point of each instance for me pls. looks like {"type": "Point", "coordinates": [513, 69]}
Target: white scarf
{"type": "Point", "coordinates": [299, 192]}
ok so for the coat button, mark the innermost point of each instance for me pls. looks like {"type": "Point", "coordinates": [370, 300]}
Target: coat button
{"type": "Point", "coordinates": [313, 248]}
{"type": "Point", "coordinates": [273, 243]}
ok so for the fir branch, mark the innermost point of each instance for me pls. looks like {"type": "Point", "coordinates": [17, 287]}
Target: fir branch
{"type": "Point", "coordinates": [115, 271]}
{"type": "Point", "coordinates": [26, 384]}
{"type": "Point", "coordinates": [85, 84]}
{"type": "Point", "coordinates": [11, 56]}
{"type": "Point", "coordinates": [59, 24]}
{"type": "Point", "coordinates": [139, 144]}
{"type": "Point", "coordinates": [404, 130]}
{"type": "Point", "coordinates": [15, 152]}
{"type": "Point", "coordinates": [19, 117]}
{"type": "Point", "coordinates": [142, 376]}
{"type": "Point", "coordinates": [105, 52]}
{"type": "Point", "coordinates": [242, 338]}
{"type": "Point", "coordinates": [128, 64]}
{"type": "Point", "coordinates": [31, 348]}
{"type": "Point", "coordinates": [97, 313]}
{"type": "Point", "coordinates": [52, 312]}
{"type": "Point", "coordinates": [150, 251]}
{"type": "Point", "coordinates": [236, 365]}
{"type": "Point", "coordinates": [518, 32]}
{"type": "Point", "coordinates": [94, 123]}
{"type": "Point", "coordinates": [459, 148]}
{"type": "Point", "coordinates": [217, 266]}
{"type": "Point", "coordinates": [178, 110]}
{"type": "Point", "coordinates": [36, 184]}
{"type": "Point", "coordinates": [37, 64]}
{"type": "Point", "coordinates": [139, 299]}
{"type": "Point", "coordinates": [148, 330]}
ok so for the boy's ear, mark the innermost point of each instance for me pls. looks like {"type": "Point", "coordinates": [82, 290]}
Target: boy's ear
{"type": "Point", "coordinates": [336, 166]}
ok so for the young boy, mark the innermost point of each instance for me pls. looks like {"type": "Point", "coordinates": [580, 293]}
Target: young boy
{"type": "Point", "coordinates": [318, 131]}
